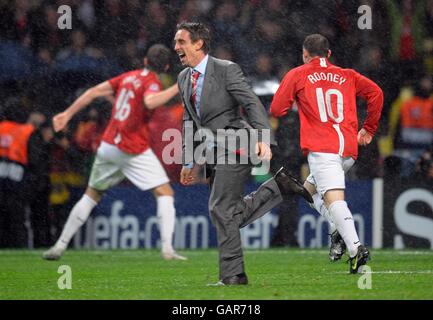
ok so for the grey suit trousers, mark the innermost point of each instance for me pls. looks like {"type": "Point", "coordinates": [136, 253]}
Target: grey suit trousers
{"type": "Point", "coordinates": [230, 210]}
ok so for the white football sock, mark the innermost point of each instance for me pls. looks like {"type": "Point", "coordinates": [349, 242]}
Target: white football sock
{"type": "Point", "coordinates": [166, 214]}
{"type": "Point", "coordinates": [319, 206]}
{"type": "Point", "coordinates": [345, 225]}
{"type": "Point", "coordinates": [78, 216]}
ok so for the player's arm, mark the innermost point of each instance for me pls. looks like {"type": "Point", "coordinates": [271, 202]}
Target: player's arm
{"type": "Point", "coordinates": [285, 96]}
{"type": "Point", "coordinates": [372, 93]}
{"type": "Point", "coordinates": [154, 100]}
{"type": "Point", "coordinates": [239, 89]}
{"type": "Point", "coordinates": [186, 176]}
{"type": "Point", "coordinates": [103, 89]}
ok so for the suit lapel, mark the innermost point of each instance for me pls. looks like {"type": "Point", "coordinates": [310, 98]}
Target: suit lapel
{"type": "Point", "coordinates": [207, 85]}
{"type": "Point", "coordinates": [187, 86]}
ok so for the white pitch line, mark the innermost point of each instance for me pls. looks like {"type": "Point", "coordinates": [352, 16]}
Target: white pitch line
{"type": "Point", "coordinates": [191, 251]}
{"type": "Point", "coordinates": [427, 253]}
{"type": "Point", "coordinates": [279, 251]}
{"type": "Point", "coordinates": [322, 251]}
{"type": "Point", "coordinates": [403, 253]}
{"type": "Point", "coordinates": [394, 272]}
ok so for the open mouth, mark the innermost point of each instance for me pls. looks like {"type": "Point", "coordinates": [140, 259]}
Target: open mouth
{"type": "Point", "coordinates": [181, 56]}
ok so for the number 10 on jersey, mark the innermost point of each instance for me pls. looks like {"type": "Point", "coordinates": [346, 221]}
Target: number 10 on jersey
{"type": "Point", "coordinates": [325, 107]}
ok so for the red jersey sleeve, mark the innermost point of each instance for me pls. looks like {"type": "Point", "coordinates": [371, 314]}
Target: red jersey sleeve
{"type": "Point", "coordinates": [372, 93]}
{"type": "Point", "coordinates": [115, 82]}
{"type": "Point", "coordinates": [152, 88]}
{"type": "Point", "coordinates": [285, 95]}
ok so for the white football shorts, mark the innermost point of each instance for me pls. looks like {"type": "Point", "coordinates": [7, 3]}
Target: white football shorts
{"type": "Point", "coordinates": [327, 171]}
{"type": "Point", "coordinates": [112, 165]}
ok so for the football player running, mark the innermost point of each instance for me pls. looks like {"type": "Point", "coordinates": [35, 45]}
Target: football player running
{"type": "Point", "coordinates": [326, 98]}
{"type": "Point", "coordinates": [124, 151]}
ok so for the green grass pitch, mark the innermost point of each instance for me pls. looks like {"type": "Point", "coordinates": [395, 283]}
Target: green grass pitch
{"type": "Point", "coordinates": [273, 274]}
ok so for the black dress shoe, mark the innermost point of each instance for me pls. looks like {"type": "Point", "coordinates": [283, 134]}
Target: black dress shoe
{"type": "Point", "coordinates": [233, 280]}
{"type": "Point", "coordinates": [237, 279]}
{"type": "Point", "coordinates": [289, 184]}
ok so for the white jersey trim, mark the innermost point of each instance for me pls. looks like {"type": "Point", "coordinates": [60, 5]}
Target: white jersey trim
{"type": "Point", "coordinates": [340, 139]}
{"type": "Point", "coordinates": [323, 62]}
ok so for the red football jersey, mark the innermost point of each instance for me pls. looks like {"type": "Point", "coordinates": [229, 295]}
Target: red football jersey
{"type": "Point", "coordinates": [326, 98]}
{"type": "Point", "coordinates": [128, 126]}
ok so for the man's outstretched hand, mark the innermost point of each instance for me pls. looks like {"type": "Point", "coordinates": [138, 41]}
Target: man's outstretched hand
{"type": "Point", "coordinates": [60, 121]}
{"type": "Point", "coordinates": [186, 176]}
{"type": "Point", "coordinates": [364, 138]}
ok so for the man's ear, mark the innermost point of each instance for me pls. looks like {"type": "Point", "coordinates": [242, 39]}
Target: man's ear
{"type": "Point", "coordinates": [199, 44]}
{"type": "Point", "coordinates": [305, 55]}
{"type": "Point", "coordinates": [145, 61]}
{"type": "Point", "coordinates": [329, 53]}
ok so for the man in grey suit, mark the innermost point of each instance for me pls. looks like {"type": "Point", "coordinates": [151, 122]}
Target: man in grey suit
{"type": "Point", "coordinates": [212, 92]}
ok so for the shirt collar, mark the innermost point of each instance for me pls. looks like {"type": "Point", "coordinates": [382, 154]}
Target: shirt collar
{"type": "Point", "coordinates": [201, 67]}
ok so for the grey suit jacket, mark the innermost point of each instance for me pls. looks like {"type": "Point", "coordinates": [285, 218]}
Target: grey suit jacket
{"type": "Point", "coordinates": [224, 91]}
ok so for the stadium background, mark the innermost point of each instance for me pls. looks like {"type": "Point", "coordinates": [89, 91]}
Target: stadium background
{"type": "Point", "coordinates": [390, 188]}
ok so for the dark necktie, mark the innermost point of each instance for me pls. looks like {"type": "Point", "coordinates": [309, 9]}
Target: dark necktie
{"type": "Point", "coordinates": [194, 79]}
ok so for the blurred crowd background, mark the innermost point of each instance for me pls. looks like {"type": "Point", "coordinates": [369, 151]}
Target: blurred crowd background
{"type": "Point", "coordinates": [44, 68]}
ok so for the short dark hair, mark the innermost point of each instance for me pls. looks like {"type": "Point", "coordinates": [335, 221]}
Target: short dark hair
{"type": "Point", "coordinates": [158, 57]}
{"type": "Point", "coordinates": [316, 45]}
{"type": "Point", "coordinates": [14, 110]}
{"type": "Point", "coordinates": [198, 31]}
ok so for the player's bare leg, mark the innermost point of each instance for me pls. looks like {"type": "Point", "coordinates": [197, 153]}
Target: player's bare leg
{"type": "Point", "coordinates": [78, 216]}
{"type": "Point", "coordinates": [166, 214]}
{"type": "Point", "coordinates": [338, 247]}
